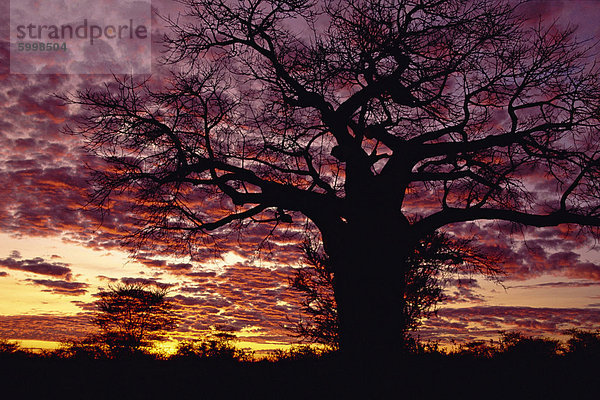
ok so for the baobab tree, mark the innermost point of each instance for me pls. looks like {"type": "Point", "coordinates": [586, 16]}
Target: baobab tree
{"type": "Point", "coordinates": [379, 121]}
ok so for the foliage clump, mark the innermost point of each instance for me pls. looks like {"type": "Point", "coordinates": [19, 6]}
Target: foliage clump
{"type": "Point", "coordinates": [214, 346]}
{"type": "Point", "coordinates": [583, 343]}
{"type": "Point", "coordinates": [301, 352]}
{"type": "Point", "coordinates": [9, 348]}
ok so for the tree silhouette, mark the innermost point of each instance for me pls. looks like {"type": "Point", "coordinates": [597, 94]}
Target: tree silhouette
{"type": "Point", "coordinates": [130, 317]}
{"type": "Point", "coordinates": [379, 121]}
{"type": "Point", "coordinates": [315, 282]}
{"type": "Point", "coordinates": [434, 260]}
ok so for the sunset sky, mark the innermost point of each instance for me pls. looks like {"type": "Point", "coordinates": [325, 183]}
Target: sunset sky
{"type": "Point", "coordinates": [55, 256]}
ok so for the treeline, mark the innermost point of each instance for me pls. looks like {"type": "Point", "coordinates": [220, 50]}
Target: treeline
{"type": "Point", "coordinates": [215, 346]}
{"type": "Point", "coordinates": [222, 346]}
{"type": "Point", "coordinates": [514, 366]}
{"type": "Point", "coordinates": [583, 343]}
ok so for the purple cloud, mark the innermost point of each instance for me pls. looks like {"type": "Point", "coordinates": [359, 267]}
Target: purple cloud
{"type": "Point", "coordinates": [37, 265]}
{"type": "Point", "coordinates": [61, 287]}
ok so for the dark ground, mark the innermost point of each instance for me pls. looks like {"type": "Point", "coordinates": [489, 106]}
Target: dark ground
{"type": "Point", "coordinates": [425, 377]}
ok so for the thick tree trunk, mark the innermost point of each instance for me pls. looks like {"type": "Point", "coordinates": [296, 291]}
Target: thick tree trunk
{"type": "Point", "coordinates": [368, 259]}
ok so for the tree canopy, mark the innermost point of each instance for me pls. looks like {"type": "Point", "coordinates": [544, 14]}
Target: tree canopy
{"type": "Point", "coordinates": [131, 316]}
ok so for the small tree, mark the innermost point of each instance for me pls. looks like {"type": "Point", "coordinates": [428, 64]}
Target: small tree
{"type": "Point", "coordinates": [315, 282]}
{"type": "Point", "coordinates": [131, 316]}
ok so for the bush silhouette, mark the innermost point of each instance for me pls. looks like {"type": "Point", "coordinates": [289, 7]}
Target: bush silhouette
{"type": "Point", "coordinates": [583, 343]}
{"type": "Point", "coordinates": [478, 349]}
{"type": "Point", "coordinates": [522, 346]}
{"type": "Point", "coordinates": [300, 353]}
{"type": "Point", "coordinates": [8, 347]}
{"type": "Point", "coordinates": [215, 346]}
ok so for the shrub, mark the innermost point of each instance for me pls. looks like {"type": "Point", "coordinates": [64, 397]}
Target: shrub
{"type": "Point", "coordinates": [515, 343]}
{"type": "Point", "coordinates": [583, 343]}
{"type": "Point", "coordinates": [478, 349]}
{"type": "Point", "coordinates": [216, 346]}
{"type": "Point", "coordinates": [8, 347]}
